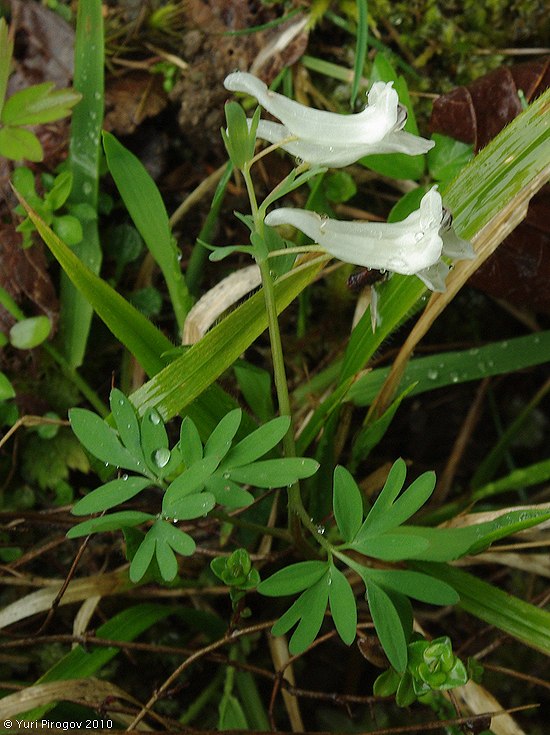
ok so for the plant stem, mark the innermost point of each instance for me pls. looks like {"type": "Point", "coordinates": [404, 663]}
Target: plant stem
{"type": "Point", "coordinates": [296, 509]}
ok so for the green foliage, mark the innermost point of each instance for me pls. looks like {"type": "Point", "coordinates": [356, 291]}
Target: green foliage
{"type": "Point", "coordinates": [144, 203]}
{"type": "Point", "coordinates": [431, 666]}
{"type": "Point", "coordinates": [47, 461]}
{"type": "Point", "coordinates": [382, 535]}
{"type": "Point", "coordinates": [239, 137]}
{"type": "Point", "coordinates": [35, 105]}
{"type": "Point", "coordinates": [193, 478]}
{"type": "Point", "coordinates": [67, 226]}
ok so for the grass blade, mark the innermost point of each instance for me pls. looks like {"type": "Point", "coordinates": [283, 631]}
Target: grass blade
{"type": "Point", "coordinates": [144, 203]}
{"type": "Point", "coordinates": [527, 623]}
{"type": "Point", "coordinates": [84, 153]}
{"type": "Point", "coordinates": [360, 48]}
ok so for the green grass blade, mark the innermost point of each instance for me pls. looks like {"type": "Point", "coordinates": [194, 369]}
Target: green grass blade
{"type": "Point", "coordinates": [186, 378]}
{"type": "Point", "coordinates": [527, 623]}
{"type": "Point", "coordinates": [519, 479]}
{"type": "Point", "coordinates": [144, 203]}
{"type": "Point", "coordinates": [360, 48]}
{"type": "Point", "coordinates": [424, 374]}
{"type": "Point", "coordinates": [127, 324]}
{"type": "Point", "coordinates": [84, 153]}
{"type": "Point", "coordinates": [79, 663]}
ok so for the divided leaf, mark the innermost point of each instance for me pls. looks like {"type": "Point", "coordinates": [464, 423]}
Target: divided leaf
{"type": "Point", "coordinates": [102, 441]}
{"type": "Point", "coordinates": [111, 494]}
{"type": "Point", "coordinates": [271, 473]}
{"type": "Point", "coordinates": [348, 504]}
{"type": "Point", "coordinates": [342, 605]}
{"type": "Point", "coordinates": [292, 579]}
{"type": "Point", "coordinates": [112, 522]}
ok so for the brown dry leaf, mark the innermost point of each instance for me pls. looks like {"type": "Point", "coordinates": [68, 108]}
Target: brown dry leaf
{"type": "Point", "coordinates": [531, 563]}
{"type": "Point", "coordinates": [89, 692]}
{"type": "Point", "coordinates": [478, 700]}
{"type": "Point", "coordinates": [519, 272]}
{"type": "Point", "coordinates": [476, 113]}
{"type": "Point", "coordinates": [130, 99]}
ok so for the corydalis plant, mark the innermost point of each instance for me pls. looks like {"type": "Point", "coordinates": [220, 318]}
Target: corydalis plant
{"type": "Point", "coordinates": [193, 478]}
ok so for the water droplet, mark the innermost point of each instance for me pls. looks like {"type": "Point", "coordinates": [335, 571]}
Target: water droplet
{"type": "Point", "coordinates": [503, 345]}
{"type": "Point", "coordinates": [124, 477]}
{"type": "Point", "coordinates": [473, 351]}
{"type": "Point", "coordinates": [454, 377]}
{"type": "Point", "coordinates": [324, 223]}
{"type": "Point", "coordinates": [418, 236]}
{"type": "Point", "coordinates": [87, 188]}
{"type": "Point", "coordinates": [320, 530]}
{"type": "Point", "coordinates": [161, 457]}
{"type": "Point", "coordinates": [97, 95]}
{"type": "Point", "coordinates": [154, 418]}
{"type": "Point", "coordinates": [174, 520]}
{"type": "Point", "coordinates": [433, 374]}
{"type": "Point", "coordinates": [226, 475]}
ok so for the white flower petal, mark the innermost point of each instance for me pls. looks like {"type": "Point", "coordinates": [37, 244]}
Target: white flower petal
{"type": "Point", "coordinates": [341, 153]}
{"type": "Point", "coordinates": [378, 118]}
{"type": "Point", "coordinates": [455, 247]}
{"type": "Point", "coordinates": [434, 276]}
{"type": "Point", "coordinates": [372, 245]}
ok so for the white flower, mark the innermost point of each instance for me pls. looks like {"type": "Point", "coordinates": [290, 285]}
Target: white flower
{"type": "Point", "coordinates": [413, 246]}
{"type": "Point", "coordinates": [327, 138]}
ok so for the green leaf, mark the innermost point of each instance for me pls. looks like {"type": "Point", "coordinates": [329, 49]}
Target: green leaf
{"type": "Point", "coordinates": [126, 421]}
{"type": "Point", "coordinates": [38, 104]}
{"type": "Point", "coordinates": [81, 664]}
{"type": "Point", "coordinates": [112, 493]}
{"type": "Point", "coordinates": [101, 440]}
{"type": "Point", "coordinates": [190, 442]}
{"type": "Point", "coordinates": [447, 544]}
{"type": "Point", "coordinates": [392, 546]}
{"type": "Point", "coordinates": [219, 253]}
{"type": "Point", "coordinates": [19, 144]}
{"type": "Point", "coordinates": [7, 390]}
{"type": "Point", "coordinates": [189, 482]}
{"type": "Point", "coordinates": [342, 605]}
{"type": "Point", "coordinates": [292, 579]}
{"type": "Point", "coordinates": [314, 601]}
{"type": "Point", "coordinates": [255, 385]}
{"type": "Point", "coordinates": [219, 442]}
{"type": "Point", "coordinates": [392, 488]}
{"type": "Point", "coordinates": [231, 715]}
{"type": "Point", "coordinates": [183, 380]}
{"type": "Point", "coordinates": [59, 193]}
{"type": "Point", "coordinates": [68, 228]}
{"type": "Point", "coordinates": [525, 622]}
{"type": "Point", "coordinates": [178, 539]}
{"type": "Point", "coordinates": [397, 513]}
{"type": "Point", "coordinates": [143, 557]}
{"type": "Point", "coordinates": [387, 623]}
{"type": "Point", "coordinates": [144, 203]}
{"type": "Point", "coordinates": [191, 506]}
{"type": "Point", "coordinates": [126, 323]}
{"type": "Point", "coordinates": [84, 156]}
{"type": "Point", "coordinates": [257, 444]}
{"type": "Point", "coordinates": [111, 522]}
{"type": "Point", "coordinates": [371, 434]}
{"type": "Point", "coordinates": [271, 473]}
{"type": "Point", "coordinates": [6, 52]}
{"type": "Point", "coordinates": [414, 584]}
{"type": "Point", "coordinates": [348, 504]}
{"type": "Point", "coordinates": [238, 138]}
{"type": "Point", "coordinates": [228, 493]}
{"type": "Point", "coordinates": [448, 157]}
{"type": "Point", "coordinates": [360, 48]}
{"type": "Point", "coordinates": [154, 441]}
{"type": "Point", "coordinates": [31, 332]}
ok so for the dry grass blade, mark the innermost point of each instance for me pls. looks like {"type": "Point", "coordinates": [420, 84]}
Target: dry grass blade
{"type": "Point", "coordinates": [478, 700]}
{"type": "Point", "coordinates": [77, 590]}
{"type": "Point", "coordinates": [89, 692]}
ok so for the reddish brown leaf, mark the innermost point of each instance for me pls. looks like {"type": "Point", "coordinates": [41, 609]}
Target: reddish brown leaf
{"type": "Point", "coordinates": [519, 271]}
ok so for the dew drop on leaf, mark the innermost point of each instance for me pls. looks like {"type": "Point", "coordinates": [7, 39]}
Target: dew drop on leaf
{"type": "Point", "coordinates": [154, 418]}
{"type": "Point", "coordinates": [161, 457]}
